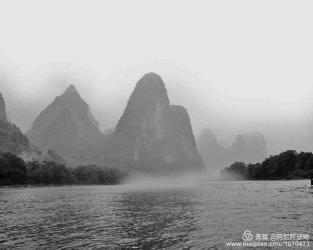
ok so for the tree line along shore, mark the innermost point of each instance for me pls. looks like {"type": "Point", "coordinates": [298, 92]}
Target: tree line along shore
{"type": "Point", "coordinates": [284, 166]}
{"type": "Point", "coordinates": [15, 171]}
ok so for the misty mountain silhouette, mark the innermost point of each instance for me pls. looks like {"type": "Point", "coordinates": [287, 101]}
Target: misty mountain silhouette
{"type": "Point", "coordinates": [248, 148]}
{"type": "Point", "coordinates": [3, 114]}
{"type": "Point", "coordinates": [67, 127]}
{"type": "Point", "coordinates": [213, 154]}
{"type": "Point", "coordinates": [153, 136]}
{"type": "Point", "coordinates": [11, 138]}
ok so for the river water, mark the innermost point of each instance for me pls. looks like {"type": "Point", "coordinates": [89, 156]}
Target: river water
{"type": "Point", "coordinates": [198, 214]}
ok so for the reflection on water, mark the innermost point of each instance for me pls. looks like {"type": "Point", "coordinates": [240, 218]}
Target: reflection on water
{"type": "Point", "coordinates": [195, 216]}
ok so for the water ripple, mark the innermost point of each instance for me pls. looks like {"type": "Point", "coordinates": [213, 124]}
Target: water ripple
{"type": "Point", "coordinates": [205, 215]}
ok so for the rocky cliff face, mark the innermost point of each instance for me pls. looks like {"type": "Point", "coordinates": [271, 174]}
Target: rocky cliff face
{"type": "Point", "coordinates": [248, 148]}
{"type": "Point", "coordinates": [11, 138]}
{"type": "Point", "coordinates": [153, 136]}
{"type": "Point", "coordinates": [67, 127]}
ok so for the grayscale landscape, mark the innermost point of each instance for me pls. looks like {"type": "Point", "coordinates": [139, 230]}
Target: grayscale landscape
{"type": "Point", "coordinates": [156, 124]}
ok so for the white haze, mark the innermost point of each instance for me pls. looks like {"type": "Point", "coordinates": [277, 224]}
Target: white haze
{"type": "Point", "coordinates": [238, 66]}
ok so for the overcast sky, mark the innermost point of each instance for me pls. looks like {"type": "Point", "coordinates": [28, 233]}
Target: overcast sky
{"type": "Point", "coordinates": [241, 63]}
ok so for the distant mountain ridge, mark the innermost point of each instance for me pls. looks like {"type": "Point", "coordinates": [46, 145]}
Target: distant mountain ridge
{"type": "Point", "coordinates": [247, 148]}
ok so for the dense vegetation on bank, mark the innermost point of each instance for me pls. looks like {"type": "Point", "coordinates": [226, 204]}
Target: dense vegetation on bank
{"type": "Point", "coordinates": [14, 170]}
{"type": "Point", "coordinates": [286, 165]}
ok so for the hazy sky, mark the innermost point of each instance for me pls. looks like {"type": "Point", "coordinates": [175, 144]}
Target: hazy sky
{"type": "Point", "coordinates": [241, 63]}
